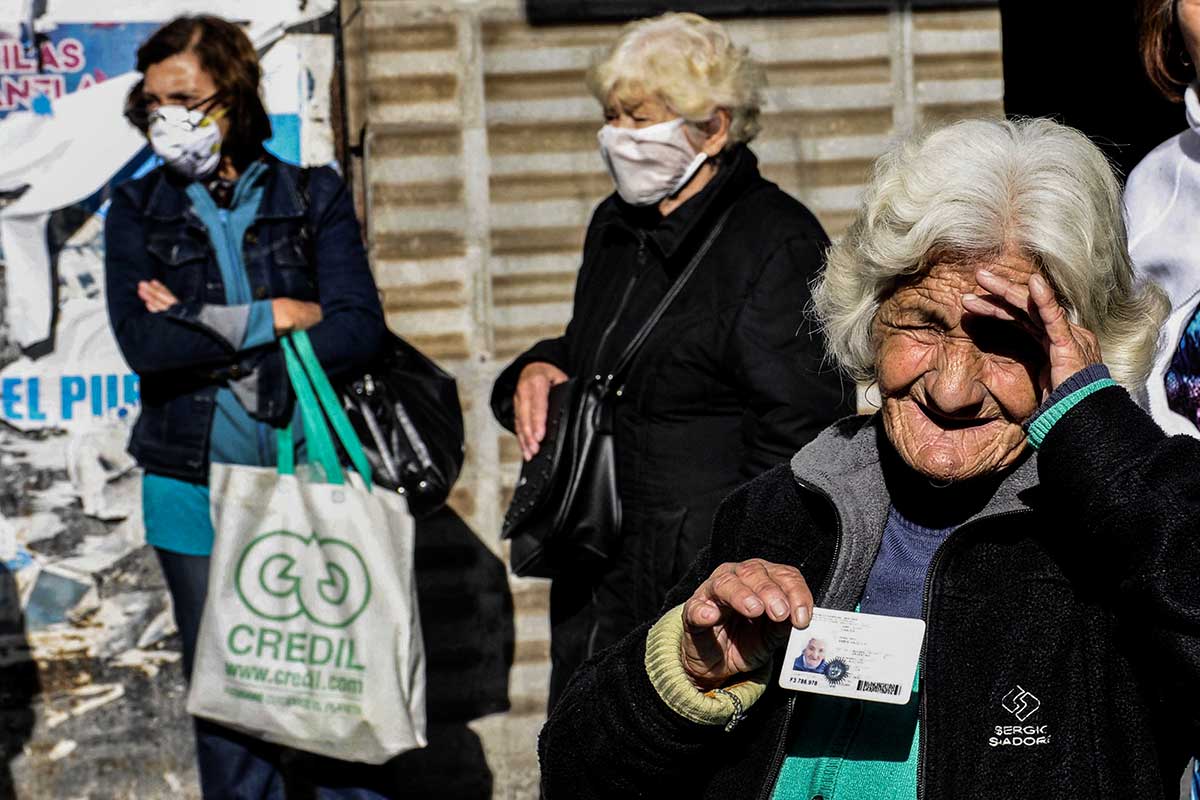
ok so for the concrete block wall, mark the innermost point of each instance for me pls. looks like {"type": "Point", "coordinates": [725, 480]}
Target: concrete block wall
{"type": "Point", "coordinates": [480, 171]}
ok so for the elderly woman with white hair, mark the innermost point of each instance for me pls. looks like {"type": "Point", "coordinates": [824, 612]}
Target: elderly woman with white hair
{"type": "Point", "coordinates": [1008, 492]}
{"type": "Point", "coordinates": [730, 382]}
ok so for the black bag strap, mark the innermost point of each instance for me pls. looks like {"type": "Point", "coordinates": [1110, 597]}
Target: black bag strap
{"type": "Point", "coordinates": [640, 337]}
{"type": "Point", "coordinates": [307, 245]}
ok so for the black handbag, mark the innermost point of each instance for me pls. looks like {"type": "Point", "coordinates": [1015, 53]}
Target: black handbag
{"type": "Point", "coordinates": [404, 409]}
{"type": "Point", "coordinates": [406, 413]}
{"type": "Point", "coordinates": [565, 514]}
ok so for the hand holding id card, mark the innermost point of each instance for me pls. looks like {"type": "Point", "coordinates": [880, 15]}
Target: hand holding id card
{"type": "Point", "coordinates": [861, 656]}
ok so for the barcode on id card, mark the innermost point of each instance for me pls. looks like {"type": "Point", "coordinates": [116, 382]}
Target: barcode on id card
{"type": "Point", "coordinates": [879, 688]}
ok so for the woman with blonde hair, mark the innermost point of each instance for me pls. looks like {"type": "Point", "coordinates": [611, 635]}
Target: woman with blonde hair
{"type": "Point", "coordinates": [730, 381]}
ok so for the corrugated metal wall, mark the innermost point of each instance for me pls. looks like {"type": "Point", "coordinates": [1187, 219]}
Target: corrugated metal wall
{"type": "Point", "coordinates": [481, 171]}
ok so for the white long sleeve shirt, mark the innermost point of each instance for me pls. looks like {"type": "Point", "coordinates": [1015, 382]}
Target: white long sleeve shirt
{"type": "Point", "coordinates": [1162, 205]}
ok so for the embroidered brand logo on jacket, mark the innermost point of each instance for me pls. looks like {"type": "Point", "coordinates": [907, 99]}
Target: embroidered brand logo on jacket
{"type": "Point", "coordinates": [1020, 703]}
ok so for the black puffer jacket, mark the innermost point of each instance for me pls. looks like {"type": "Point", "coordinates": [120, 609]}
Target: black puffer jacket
{"type": "Point", "coordinates": [1081, 586]}
{"type": "Point", "coordinates": [730, 383]}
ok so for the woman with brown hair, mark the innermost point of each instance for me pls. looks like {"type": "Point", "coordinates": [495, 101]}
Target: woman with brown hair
{"type": "Point", "coordinates": [1162, 202]}
{"type": "Point", "coordinates": [208, 259]}
{"type": "Point", "coordinates": [1162, 199]}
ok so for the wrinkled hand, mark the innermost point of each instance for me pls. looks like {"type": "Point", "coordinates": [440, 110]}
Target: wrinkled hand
{"type": "Point", "coordinates": [1069, 347]}
{"type": "Point", "coordinates": [156, 296]}
{"type": "Point", "coordinates": [739, 616]}
{"type": "Point", "coordinates": [294, 315]}
{"type": "Point", "coordinates": [530, 404]}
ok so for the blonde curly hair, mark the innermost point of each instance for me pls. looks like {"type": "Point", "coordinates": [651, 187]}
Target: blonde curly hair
{"type": "Point", "coordinates": [690, 63]}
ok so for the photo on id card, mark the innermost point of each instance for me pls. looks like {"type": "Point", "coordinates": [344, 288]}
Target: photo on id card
{"type": "Point", "coordinates": [860, 656]}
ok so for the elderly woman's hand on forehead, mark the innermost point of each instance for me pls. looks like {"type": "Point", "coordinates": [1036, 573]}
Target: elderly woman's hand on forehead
{"type": "Point", "coordinates": [1069, 347]}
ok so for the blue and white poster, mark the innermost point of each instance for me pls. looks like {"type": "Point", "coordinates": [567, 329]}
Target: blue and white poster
{"type": "Point", "coordinates": [64, 76]}
{"type": "Point", "coordinates": [37, 70]}
{"type": "Point", "coordinates": [67, 397]}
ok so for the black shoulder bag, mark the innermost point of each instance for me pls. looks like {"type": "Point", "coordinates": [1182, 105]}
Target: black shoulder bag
{"type": "Point", "coordinates": [406, 412]}
{"type": "Point", "coordinates": [565, 515]}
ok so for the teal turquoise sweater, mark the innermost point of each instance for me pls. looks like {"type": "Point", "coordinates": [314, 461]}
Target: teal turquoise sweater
{"type": "Point", "coordinates": [176, 513]}
{"type": "Point", "coordinates": [856, 750]}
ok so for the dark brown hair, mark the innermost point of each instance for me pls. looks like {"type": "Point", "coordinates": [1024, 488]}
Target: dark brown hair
{"type": "Point", "coordinates": [1161, 44]}
{"type": "Point", "coordinates": [228, 56]}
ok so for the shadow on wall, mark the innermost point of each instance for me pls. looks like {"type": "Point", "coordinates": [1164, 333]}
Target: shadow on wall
{"type": "Point", "coordinates": [467, 621]}
{"type": "Point", "coordinates": [18, 682]}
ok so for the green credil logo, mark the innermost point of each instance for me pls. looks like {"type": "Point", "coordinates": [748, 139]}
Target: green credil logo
{"type": "Point", "coordinates": [281, 575]}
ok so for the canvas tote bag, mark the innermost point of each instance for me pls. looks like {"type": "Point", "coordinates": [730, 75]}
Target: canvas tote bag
{"type": "Point", "coordinates": [310, 636]}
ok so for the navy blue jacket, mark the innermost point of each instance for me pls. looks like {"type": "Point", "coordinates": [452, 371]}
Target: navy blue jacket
{"type": "Point", "coordinates": [305, 243]}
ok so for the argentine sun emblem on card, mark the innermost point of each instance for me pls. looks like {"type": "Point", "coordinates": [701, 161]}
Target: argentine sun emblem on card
{"type": "Point", "coordinates": [847, 654]}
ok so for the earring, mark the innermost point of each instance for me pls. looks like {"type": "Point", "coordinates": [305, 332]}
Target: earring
{"type": "Point", "coordinates": [871, 397]}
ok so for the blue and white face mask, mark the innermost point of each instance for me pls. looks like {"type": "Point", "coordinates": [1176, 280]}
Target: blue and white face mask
{"type": "Point", "coordinates": [186, 139]}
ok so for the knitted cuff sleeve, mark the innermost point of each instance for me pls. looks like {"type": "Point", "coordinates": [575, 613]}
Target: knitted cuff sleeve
{"type": "Point", "coordinates": [717, 707]}
{"type": "Point", "coordinates": [1064, 398]}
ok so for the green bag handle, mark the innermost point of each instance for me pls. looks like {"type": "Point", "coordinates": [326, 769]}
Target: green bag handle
{"type": "Point", "coordinates": [320, 444]}
{"type": "Point", "coordinates": [285, 447]}
{"type": "Point", "coordinates": [332, 405]}
{"type": "Point", "coordinates": [307, 376]}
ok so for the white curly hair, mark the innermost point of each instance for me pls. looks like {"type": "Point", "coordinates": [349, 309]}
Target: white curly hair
{"type": "Point", "coordinates": [979, 188]}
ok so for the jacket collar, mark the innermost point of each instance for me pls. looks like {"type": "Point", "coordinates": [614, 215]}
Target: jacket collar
{"type": "Point", "coordinates": [738, 168]}
{"type": "Point", "coordinates": [281, 196]}
{"type": "Point", "coordinates": [1191, 104]}
{"type": "Point", "coordinates": [854, 465]}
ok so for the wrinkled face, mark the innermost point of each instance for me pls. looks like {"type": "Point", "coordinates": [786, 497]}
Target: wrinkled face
{"type": "Point", "coordinates": [956, 387]}
{"type": "Point", "coordinates": [635, 110]}
{"type": "Point", "coordinates": [814, 652]}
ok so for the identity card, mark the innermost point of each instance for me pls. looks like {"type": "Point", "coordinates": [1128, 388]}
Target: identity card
{"type": "Point", "coordinates": [847, 654]}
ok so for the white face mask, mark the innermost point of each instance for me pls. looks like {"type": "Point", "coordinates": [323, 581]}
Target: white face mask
{"type": "Point", "coordinates": [189, 141]}
{"type": "Point", "coordinates": [648, 164]}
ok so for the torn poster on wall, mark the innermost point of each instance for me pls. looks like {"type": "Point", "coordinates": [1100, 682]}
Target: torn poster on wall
{"type": "Point", "coordinates": [70, 517]}
{"type": "Point", "coordinates": [63, 80]}
{"type": "Point", "coordinates": [64, 60]}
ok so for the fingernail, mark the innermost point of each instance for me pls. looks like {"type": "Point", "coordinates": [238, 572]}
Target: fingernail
{"type": "Point", "coordinates": [985, 273]}
{"type": "Point", "coordinates": [779, 608]}
{"type": "Point", "coordinates": [970, 296]}
{"type": "Point", "coordinates": [754, 604]}
{"type": "Point", "coordinates": [802, 616]}
{"type": "Point", "coordinates": [708, 612]}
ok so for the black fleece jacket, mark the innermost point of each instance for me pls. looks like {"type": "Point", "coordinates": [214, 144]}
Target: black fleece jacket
{"type": "Point", "coordinates": [1088, 599]}
{"type": "Point", "coordinates": [732, 380]}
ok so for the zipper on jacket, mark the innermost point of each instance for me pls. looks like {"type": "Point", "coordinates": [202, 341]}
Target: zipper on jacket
{"type": "Point", "coordinates": [781, 746]}
{"type": "Point", "coordinates": [921, 713]}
